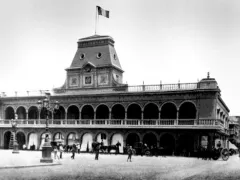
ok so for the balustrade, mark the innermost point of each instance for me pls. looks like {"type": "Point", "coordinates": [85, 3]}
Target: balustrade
{"type": "Point", "coordinates": [186, 122]}
{"type": "Point", "coordinates": [149, 122]}
{"type": "Point", "coordinates": [138, 88]}
{"type": "Point", "coordinates": [118, 122]}
{"type": "Point", "coordinates": [166, 122]}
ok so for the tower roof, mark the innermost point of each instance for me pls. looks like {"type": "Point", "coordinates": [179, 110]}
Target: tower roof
{"type": "Point", "coordinates": [97, 50]}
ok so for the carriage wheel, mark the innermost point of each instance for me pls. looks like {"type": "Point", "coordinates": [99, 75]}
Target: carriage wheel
{"type": "Point", "coordinates": [215, 156]}
{"type": "Point", "coordinates": [225, 154]}
{"type": "Point", "coordinates": [147, 153]}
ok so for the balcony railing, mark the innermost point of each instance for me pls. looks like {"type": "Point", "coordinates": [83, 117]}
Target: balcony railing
{"type": "Point", "coordinates": [153, 123]}
{"type": "Point", "coordinates": [122, 89]}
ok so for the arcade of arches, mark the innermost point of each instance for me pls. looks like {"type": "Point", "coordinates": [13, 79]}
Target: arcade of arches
{"type": "Point", "coordinates": [170, 142]}
{"type": "Point", "coordinates": [169, 110]}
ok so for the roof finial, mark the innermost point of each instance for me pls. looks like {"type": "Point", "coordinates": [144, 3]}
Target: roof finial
{"type": "Point", "coordinates": [208, 75]}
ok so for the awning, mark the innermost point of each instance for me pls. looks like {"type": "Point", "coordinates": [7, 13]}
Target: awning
{"type": "Point", "coordinates": [232, 146]}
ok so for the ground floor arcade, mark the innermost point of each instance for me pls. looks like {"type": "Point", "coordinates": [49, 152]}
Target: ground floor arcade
{"type": "Point", "coordinates": [174, 142]}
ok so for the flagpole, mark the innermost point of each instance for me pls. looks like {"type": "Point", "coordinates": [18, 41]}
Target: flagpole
{"type": "Point", "coordinates": [96, 20]}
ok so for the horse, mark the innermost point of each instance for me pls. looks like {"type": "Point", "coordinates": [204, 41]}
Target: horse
{"type": "Point", "coordinates": [96, 145]}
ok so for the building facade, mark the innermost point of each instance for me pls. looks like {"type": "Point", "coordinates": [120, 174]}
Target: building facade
{"type": "Point", "coordinates": [95, 105]}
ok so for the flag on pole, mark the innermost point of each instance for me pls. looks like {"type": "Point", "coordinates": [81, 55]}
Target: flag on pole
{"type": "Point", "coordinates": [102, 12]}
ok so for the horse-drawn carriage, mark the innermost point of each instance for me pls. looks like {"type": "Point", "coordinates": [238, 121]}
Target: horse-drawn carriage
{"type": "Point", "coordinates": [105, 149]}
{"type": "Point", "coordinates": [214, 153]}
{"type": "Point", "coordinates": [140, 149]}
{"type": "Point", "coordinates": [220, 153]}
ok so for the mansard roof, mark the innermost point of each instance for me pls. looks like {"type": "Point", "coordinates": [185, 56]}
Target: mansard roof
{"type": "Point", "coordinates": [97, 50]}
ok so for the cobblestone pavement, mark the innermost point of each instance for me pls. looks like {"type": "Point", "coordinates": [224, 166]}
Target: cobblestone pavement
{"type": "Point", "coordinates": [115, 167]}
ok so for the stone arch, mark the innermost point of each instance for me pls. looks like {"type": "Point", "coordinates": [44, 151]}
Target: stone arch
{"type": "Point", "coordinates": [21, 139]}
{"type": "Point", "coordinates": [87, 112]}
{"type": "Point", "coordinates": [86, 142]}
{"type": "Point", "coordinates": [58, 137]}
{"type": "Point", "coordinates": [21, 112]}
{"type": "Point", "coordinates": [151, 111]}
{"type": "Point", "coordinates": [33, 112]}
{"type": "Point", "coordinates": [102, 112]}
{"type": "Point", "coordinates": [132, 138]}
{"type": "Point", "coordinates": [72, 138]}
{"type": "Point", "coordinates": [150, 139]}
{"type": "Point", "coordinates": [73, 112]}
{"type": "Point", "coordinates": [169, 111]}
{"type": "Point", "coordinates": [60, 113]}
{"type": "Point", "coordinates": [187, 110]}
{"type": "Point", "coordinates": [33, 141]}
{"type": "Point", "coordinates": [117, 137]}
{"type": "Point", "coordinates": [7, 137]}
{"type": "Point", "coordinates": [118, 111]}
{"type": "Point", "coordinates": [167, 143]}
{"type": "Point", "coordinates": [102, 137]}
{"type": "Point", "coordinates": [134, 111]}
{"type": "Point", "coordinates": [9, 113]}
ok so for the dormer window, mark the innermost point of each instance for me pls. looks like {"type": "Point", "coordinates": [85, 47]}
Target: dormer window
{"type": "Point", "coordinates": [82, 56]}
{"type": "Point", "coordinates": [115, 57]}
{"type": "Point", "coordinates": [99, 55]}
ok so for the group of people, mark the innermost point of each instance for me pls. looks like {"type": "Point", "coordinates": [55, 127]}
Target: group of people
{"type": "Point", "coordinates": [75, 148]}
{"type": "Point", "coordinates": [61, 148]}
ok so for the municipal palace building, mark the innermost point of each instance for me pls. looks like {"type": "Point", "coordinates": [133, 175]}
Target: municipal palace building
{"type": "Point", "coordinates": [95, 105]}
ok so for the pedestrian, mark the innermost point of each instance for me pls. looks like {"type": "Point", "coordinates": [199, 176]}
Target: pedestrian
{"type": "Point", "coordinates": [73, 151]}
{"type": "Point", "coordinates": [61, 150]}
{"type": "Point", "coordinates": [55, 150]}
{"type": "Point", "coordinates": [97, 151]}
{"type": "Point", "coordinates": [78, 148]}
{"type": "Point", "coordinates": [117, 147]}
{"type": "Point", "coordinates": [130, 152]}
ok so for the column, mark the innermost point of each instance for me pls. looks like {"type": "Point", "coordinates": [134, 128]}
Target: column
{"type": "Point", "coordinates": [210, 141]}
{"type": "Point", "coordinates": [124, 121]}
{"type": "Point", "coordinates": [94, 117]}
{"type": "Point", "coordinates": [177, 117]}
{"type": "Point", "coordinates": [159, 117]}
{"type": "Point", "coordinates": [26, 142]}
{"type": "Point", "coordinates": [65, 118]}
{"type": "Point", "coordinates": [26, 117]}
{"type": "Point", "coordinates": [109, 118]}
{"type": "Point", "coordinates": [140, 122]}
{"type": "Point", "coordinates": [80, 115]}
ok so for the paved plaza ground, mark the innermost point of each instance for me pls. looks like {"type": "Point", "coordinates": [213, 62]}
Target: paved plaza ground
{"type": "Point", "coordinates": [26, 165]}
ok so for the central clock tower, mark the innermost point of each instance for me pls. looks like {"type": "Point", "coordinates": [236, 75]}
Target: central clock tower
{"type": "Point", "coordinates": [95, 65]}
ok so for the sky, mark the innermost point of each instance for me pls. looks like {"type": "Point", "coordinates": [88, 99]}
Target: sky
{"type": "Point", "coordinates": [155, 40]}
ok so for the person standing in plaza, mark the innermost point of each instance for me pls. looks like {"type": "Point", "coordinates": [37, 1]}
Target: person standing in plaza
{"type": "Point", "coordinates": [73, 151]}
{"type": "Point", "coordinates": [97, 151]}
{"type": "Point", "coordinates": [55, 150]}
{"type": "Point", "coordinates": [61, 150]}
{"type": "Point", "coordinates": [130, 152]}
{"type": "Point", "coordinates": [78, 148]}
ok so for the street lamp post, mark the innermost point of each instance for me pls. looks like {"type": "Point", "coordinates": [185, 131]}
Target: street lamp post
{"type": "Point", "coordinates": [14, 130]}
{"type": "Point", "coordinates": [47, 148]}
